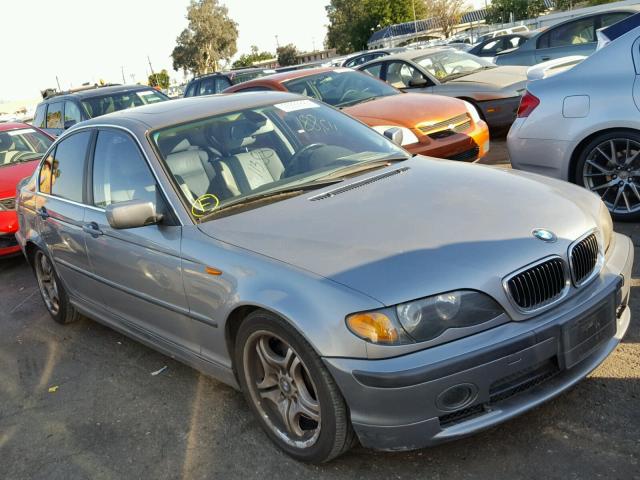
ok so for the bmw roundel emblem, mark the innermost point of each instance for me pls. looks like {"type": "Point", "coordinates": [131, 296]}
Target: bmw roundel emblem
{"type": "Point", "coordinates": [544, 235]}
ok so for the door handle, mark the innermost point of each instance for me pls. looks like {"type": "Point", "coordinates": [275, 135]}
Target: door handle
{"type": "Point", "coordinates": [92, 229]}
{"type": "Point", "coordinates": [42, 213]}
{"type": "Point", "coordinates": [544, 59]}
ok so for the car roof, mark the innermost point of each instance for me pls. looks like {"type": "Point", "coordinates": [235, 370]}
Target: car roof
{"type": "Point", "coordinates": [284, 76]}
{"type": "Point", "coordinates": [183, 110]}
{"type": "Point", "coordinates": [411, 54]}
{"type": "Point", "coordinates": [13, 126]}
{"type": "Point", "coordinates": [98, 92]}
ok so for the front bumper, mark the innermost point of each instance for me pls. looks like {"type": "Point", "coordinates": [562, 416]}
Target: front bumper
{"type": "Point", "coordinates": [469, 146]}
{"type": "Point", "coordinates": [396, 403]}
{"type": "Point", "coordinates": [500, 113]}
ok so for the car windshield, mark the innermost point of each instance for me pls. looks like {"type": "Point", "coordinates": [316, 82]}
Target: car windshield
{"type": "Point", "coordinates": [22, 145]}
{"type": "Point", "coordinates": [340, 87]}
{"type": "Point", "coordinates": [448, 64]}
{"type": "Point", "coordinates": [242, 77]}
{"type": "Point", "coordinates": [257, 152]}
{"type": "Point", "coordinates": [96, 106]}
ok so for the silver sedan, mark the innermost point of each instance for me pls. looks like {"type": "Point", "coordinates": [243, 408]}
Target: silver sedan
{"type": "Point", "coordinates": [288, 250]}
{"type": "Point", "coordinates": [582, 124]}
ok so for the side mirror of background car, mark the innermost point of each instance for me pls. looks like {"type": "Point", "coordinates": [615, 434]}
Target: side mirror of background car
{"type": "Point", "coordinates": [418, 82]}
{"type": "Point", "coordinates": [132, 214]}
{"type": "Point", "coordinates": [394, 134]}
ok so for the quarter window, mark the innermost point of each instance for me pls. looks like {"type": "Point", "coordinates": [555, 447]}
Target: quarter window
{"type": "Point", "coordinates": [66, 168]}
{"type": "Point", "coordinates": [120, 173]}
{"type": "Point", "coordinates": [54, 115]}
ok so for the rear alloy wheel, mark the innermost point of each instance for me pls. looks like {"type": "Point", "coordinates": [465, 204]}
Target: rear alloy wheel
{"type": "Point", "coordinates": [610, 167]}
{"type": "Point", "coordinates": [292, 394]}
{"type": "Point", "coordinates": [53, 293]}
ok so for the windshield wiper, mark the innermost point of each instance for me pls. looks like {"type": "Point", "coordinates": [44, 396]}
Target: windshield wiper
{"type": "Point", "coordinates": [362, 167]}
{"type": "Point", "coordinates": [358, 102]}
{"type": "Point", "coordinates": [285, 192]}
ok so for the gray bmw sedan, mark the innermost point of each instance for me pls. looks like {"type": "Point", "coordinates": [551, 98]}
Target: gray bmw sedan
{"type": "Point", "coordinates": [348, 289]}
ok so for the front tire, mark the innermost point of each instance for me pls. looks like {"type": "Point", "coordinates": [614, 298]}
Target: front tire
{"type": "Point", "coordinates": [52, 291]}
{"type": "Point", "coordinates": [290, 391]}
{"type": "Point", "coordinates": [609, 166]}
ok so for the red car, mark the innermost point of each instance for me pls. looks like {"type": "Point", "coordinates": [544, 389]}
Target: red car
{"type": "Point", "coordinates": [21, 147]}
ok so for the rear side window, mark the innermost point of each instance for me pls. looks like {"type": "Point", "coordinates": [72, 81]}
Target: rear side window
{"type": "Point", "coordinates": [375, 70]}
{"type": "Point", "coordinates": [71, 114]}
{"type": "Point", "coordinates": [120, 173]}
{"type": "Point", "coordinates": [54, 115]}
{"type": "Point", "coordinates": [39, 119]}
{"type": "Point", "coordinates": [191, 89]}
{"type": "Point", "coordinates": [211, 85]}
{"type": "Point", "coordinates": [573, 33]}
{"type": "Point", "coordinates": [65, 169]}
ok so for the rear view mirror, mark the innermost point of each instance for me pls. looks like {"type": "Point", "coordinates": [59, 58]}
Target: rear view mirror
{"type": "Point", "coordinates": [418, 82]}
{"type": "Point", "coordinates": [394, 134]}
{"type": "Point", "coordinates": [132, 214]}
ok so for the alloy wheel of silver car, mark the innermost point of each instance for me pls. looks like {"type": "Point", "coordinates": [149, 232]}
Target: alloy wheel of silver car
{"type": "Point", "coordinates": [612, 170]}
{"type": "Point", "coordinates": [282, 389]}
{"type": "Point", "coordinates": [47, 283]}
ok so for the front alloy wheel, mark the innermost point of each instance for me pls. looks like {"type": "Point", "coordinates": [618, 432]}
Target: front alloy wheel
{"type": "Point", "coordinates": [610, 167]}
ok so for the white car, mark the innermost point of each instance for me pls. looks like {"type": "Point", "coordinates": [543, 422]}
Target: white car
{"type": "Point", "coordinates": [579, 120]}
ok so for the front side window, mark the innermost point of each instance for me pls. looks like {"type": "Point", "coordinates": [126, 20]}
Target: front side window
{"type": "Point", "coordinates": [54, 115]}
{"type": "Point", "coordinates": [448, 64]}
{"type": "Point", "coordinates": [401, 74]}
{"type": "Point", "coordinates": [120, 173]}
{"type": "Point", "coordinates": [22, 145]}
{"type": "Point", "coordinates": [340, 87]}
{"type": "Point", "coordinates": [609, 19]}
{"type": "Point", "coordinates": [97, 106]}
{"type": "Point", "coordinates": [191, 90]}
{"type": "Point", "coordinates": [229, 158]}
{"type": "Point", "coordinates": [62, 173]}
{"type": "Point", "coordinates": [71, 114]}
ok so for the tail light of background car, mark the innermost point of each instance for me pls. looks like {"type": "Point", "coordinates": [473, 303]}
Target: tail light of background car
{"type": "Point", "coordinates": [528, 104]}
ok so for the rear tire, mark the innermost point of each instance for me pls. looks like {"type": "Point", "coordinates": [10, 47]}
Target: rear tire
{"type": "Point", "coordinates": [609, 165]}
{"type": "Point", "coordinates": [52, 291]}
{"type": "Point", "coordinates": [290, 391]}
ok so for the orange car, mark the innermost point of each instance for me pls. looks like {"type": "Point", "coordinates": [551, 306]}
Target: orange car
{"type": "Point", "coordinates": [431, 125]}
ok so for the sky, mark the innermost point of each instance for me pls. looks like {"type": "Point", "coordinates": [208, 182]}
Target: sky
{"type": "Point", "coordinates": [88, 40]}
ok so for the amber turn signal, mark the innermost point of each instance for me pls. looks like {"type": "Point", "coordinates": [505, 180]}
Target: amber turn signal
{"type": "Point", "coordinates": [373, 326]}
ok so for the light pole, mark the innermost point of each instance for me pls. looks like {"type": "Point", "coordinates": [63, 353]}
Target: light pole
{"type": "Point", "coordinates": [277, 42]}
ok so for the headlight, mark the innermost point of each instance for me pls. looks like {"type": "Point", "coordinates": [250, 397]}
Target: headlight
{"type": "Point", "coordinates": [408, 137]}
{"type": "Point", "coordinates": [424, 319]}
{"type": "Point", "coordinates": [472, 112]}
{"type": "Point", "coordinates": [605, 226]}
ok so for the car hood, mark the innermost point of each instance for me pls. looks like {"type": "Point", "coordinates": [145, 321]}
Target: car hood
{"type": "Point", "coordinates": [11, 174]}
{"type": "Point", "coordinates": [499, 78]}
{"type": "Point", "coordinates": [407, 110]}
{"type": "Point", "coordinates": [436, 226]}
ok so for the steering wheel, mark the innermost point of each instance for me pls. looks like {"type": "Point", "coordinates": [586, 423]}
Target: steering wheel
{"type": "Point", "coordinates": [19, 155]}
{"type": "Point", "coordinates": [345, 95]}
{"type": "Point", "coordinates": [293, 165]}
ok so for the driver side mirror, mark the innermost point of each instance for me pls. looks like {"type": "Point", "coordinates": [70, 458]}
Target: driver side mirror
{"type": "Point", "coordinates": [394, 134]}
{"type": "Point", "coordinates": [418, 82]}
{"type": "Point", "coordinates": [132, 214]}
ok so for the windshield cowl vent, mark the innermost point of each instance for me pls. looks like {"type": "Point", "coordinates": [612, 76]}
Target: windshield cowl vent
{"type": "Point", "coordinates": [359, 184]}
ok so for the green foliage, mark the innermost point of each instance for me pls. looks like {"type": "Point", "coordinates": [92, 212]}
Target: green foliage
{"type": "Point", "coordinates": [210, 37]}
{"type": "Point", "coordinates": [159, 79]}
{"type": "Point", "coordinates": [351, 22]}
{"type": "Point", "coordinates": [247, 59]}
{"type": "Point", "coordinates": [287, 55]}
{"type": "Point", "coordinates": [499, 11]}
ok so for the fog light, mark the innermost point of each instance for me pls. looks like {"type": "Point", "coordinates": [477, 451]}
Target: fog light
{"type": "Point", "coordinates": [457, 397]}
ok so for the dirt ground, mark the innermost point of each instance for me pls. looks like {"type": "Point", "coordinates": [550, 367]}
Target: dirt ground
{"type": "Point", "coordinates": [79, 401]}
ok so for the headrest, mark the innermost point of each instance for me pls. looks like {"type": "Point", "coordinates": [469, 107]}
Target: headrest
{"type": "Point", "coordinates": [5, 141]}
{"type": "Point", "coordinates": [186, 162]}
{"type": "Point", "coordinates": [241, 133]}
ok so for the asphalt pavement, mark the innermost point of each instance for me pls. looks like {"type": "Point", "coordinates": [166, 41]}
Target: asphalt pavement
{"type": "Point", "coordinates": [80, 401]}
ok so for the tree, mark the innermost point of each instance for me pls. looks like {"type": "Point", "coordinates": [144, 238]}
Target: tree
{"type": "Point", "coordinates": [287, 55]}
{"type": "Point", "coordinates": [246, 60]}
{"type": "Point", "coordinates": [500, 11]}
{"type": "Point", "coordinates": [209, 38]}
{"type": "Point", "coordinates": [160, 79]}
{"type": "Point", "coordinates": [446, 14]}
{"type": "Point", "coordinates": [352, 22]}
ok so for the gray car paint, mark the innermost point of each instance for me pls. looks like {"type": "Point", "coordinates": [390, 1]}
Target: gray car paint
{"type": "Point", "coordinates": [393, 240]}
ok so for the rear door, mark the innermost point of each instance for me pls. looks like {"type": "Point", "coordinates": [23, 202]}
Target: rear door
{"type": "Point", "coordinates": [61, 211]}
{"type": "Point", "coordinates": [54, 124]}
{"type": "Point", "coordinates": [139, 269]}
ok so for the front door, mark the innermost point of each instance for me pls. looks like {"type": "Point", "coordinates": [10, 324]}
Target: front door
{"type": "Point", "coordinates": [140, 268]}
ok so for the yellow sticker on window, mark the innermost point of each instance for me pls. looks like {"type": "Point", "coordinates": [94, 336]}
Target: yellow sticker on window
{"type": "Point", "coordinates": [204, 204]}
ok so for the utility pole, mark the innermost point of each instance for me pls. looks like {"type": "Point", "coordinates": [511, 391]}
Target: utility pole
{"type": "Point", "coordinates": [58, 82]}
{"type": "Point", "coordinates": [277, 42]}
{"type": "Point", "coordinates": [415, 21]}
{"type": "Point", "coordinates": [122, 70]}
{"type": "Point", "coordinates": [152, 72]}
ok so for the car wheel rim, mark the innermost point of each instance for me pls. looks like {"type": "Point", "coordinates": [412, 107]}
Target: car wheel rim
{"type": "Point", "coordinates": [282, 389]}
{"type": "Point", "coordinates": [47, 283]}
{"type": "Point", "coordinates": [612, 170]}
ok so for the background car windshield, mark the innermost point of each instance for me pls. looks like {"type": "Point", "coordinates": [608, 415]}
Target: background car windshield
{"type": "Point", "coordinates": [452, 63]}
{"type": "Point", "coordinates": [102, 105]}
{"type": "Point", "coordinates": [340, 88]}
{"type": "Point", "coordinates": [229, 157]}
{"type": "Point", "coordinates": [22, 145]}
